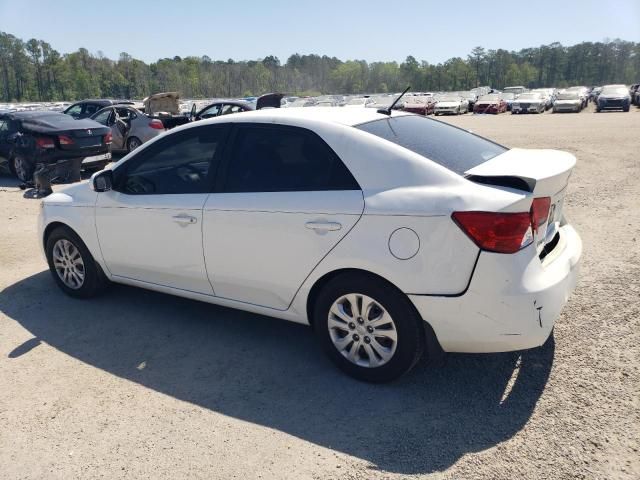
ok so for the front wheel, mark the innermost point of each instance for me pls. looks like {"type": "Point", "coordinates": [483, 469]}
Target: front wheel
{"type": "Point", "coordinates": [369, 329]}
{"type": "Point", "coordinates": [72, 265]}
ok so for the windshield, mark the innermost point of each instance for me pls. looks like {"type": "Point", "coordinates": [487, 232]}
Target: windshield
{"type": "Point", "coordinates": [357, 101]}
{"type": "Point", "coordinates": [614, 91]}
{"type": "Point", "coordinates": [529, 96]}
{"type": "Point", "coordinates": [568, 96]}
{"type": "Point", "coordinates": [451, 147]}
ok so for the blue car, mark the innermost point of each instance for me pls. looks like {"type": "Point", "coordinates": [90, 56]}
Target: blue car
{"type": "Point", "coordinates": [614, 97]}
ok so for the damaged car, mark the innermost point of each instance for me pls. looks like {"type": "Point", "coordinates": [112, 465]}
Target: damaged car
{"type": "Point", "coordinates": [129, 126]}
{"type": "Point", "coordinates": [225, 107]}
{"type": "Point", "coordinates": [28, 139]}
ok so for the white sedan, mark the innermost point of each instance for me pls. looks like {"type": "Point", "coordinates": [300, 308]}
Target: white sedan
{"type": "Point", "coordinates": [388, 234]}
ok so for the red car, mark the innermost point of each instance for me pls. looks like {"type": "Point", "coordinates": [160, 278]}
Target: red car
{"type": "Point", "coordinates": [423, 105]}
{"type": "Point", "coordinates": [492, 103]}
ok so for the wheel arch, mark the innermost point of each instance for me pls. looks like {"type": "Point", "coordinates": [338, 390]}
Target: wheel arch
{"type": "Point", "coordinates": [434, 350]}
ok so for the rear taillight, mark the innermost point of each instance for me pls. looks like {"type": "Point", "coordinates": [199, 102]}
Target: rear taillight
{"type": "Point", "coordinates": [65, 140]}
{"type": "Point", "coordinates": [539, 212]}
{"type": "Point", "coordinates": [496, 232]}
{"type": "Point", "coordinates": [108, 138]}
{"type": "Point", "coordinates": [45, 142]}
{"type": "Point", "coordinates": [157, 124]}
{"type": "Point", "coordinates": [504, 232]}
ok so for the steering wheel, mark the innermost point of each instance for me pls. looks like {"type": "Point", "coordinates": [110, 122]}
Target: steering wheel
{"type": "Point", "coordinates": [186, 176]}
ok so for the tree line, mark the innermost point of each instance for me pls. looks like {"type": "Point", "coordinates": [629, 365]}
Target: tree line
{"type": "Point", "coordinates": [34, 71]}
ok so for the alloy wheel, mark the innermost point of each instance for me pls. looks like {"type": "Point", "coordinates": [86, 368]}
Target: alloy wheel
{"type": "Point", "coordinates": [68, 263]}
{"type": "Point", "coordinates": [21, 168]}
{"type": "Point", "coordinates": [362, 330]}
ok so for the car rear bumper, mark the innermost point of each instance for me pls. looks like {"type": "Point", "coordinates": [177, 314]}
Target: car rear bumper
{"type": "Point", "coordinates": [512, 301]}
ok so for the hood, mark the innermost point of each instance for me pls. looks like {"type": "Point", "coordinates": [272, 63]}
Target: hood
{"type": "Point", "coordinates": [447, 104]}
{"type": "Point", "coordinates": [269, 100]}
{"type": "Point", "coordinates": [613, 96]}
{"type": "Point", "coordinates": [568, 101]}
{"type": "Point", "coordinates": [78, 194]}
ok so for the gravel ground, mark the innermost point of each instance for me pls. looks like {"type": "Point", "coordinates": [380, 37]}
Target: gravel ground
{"type": "Point", "coordinates": [137, 384]}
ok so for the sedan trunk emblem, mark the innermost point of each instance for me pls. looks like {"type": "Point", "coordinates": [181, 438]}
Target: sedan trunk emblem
{"type": "Point", "coordinates": [89, 132]}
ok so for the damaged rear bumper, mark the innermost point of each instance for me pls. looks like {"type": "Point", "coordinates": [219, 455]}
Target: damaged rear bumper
{"type": "Point", "coordinates": [512, 301]}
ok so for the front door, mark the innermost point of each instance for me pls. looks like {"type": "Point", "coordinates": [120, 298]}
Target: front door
{"type": "Point", "coordinates": [150, 224]}
{"type": "Point", "coordinates": [283, 200]}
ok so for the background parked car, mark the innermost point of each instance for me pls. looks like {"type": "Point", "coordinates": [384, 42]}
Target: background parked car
{"type": "Point", "coordinates": [86, 108]}
{"type": "Point", "coordinates": [450, 105]}
{"type": "Point", "coordinates": [29, 138]}
{"type": "Point", "coordinates": [491, 103]}
{"type": "Point", "coordinates": [130, 127]}
{"type": "Point", "coordinates": [529, 102]}
{"type": "Point", "coordinates": [614, 97]}
{"type": "Point", "coordinates": [422, 105]}
{"type": "Point", "coordinates": [583, 93]}
{"type": "Point", "coordinates": [567, 101]}
{"type": "Point", "coordinates": [225, 107]}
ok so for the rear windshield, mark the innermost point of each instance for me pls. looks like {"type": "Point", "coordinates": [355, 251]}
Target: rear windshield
{"type": "Point", "coordinates": [451, 147]}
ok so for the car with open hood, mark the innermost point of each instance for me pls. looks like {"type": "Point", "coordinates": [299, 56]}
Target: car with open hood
{"type": "Point", "coordinates": [44, 137]}
{"type": "Point", "coordinates": [391, 234]}
{"type": "Point", "coordinates": [529, 102]}
{"type": "Point", "coordinates": [614, 97]}
{"type": "Point", "coordinates": [490, 103]}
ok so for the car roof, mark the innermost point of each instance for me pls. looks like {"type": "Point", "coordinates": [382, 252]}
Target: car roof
{"type": "Point", "coordinates": [337, 115]}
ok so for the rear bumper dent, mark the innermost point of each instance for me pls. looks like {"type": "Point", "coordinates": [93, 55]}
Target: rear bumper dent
{"type": "Point", "coordinates": [512, 302]}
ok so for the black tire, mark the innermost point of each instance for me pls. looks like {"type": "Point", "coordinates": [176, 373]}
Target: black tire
{"type": "Point", "coordinates": [409, 326]}
{"type": "Point", "coordinates": [94, 281]}
{"type": "Point", "coordinates": [24, 174]}
{"type": "Point", "coordinates": [625, 109]}
{"type": "Point", "coordinates": [133, 143]}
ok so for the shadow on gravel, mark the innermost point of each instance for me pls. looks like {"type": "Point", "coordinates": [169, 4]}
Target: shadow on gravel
{"type": "Point", "coordinates": [272, 373]}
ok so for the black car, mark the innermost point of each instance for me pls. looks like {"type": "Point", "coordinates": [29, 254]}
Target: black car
{"type": "Point", "coordinates": [224, 107]}
{"type": "Point", "coordinates": [30, 138]}
{"type": "Point", "coordinates": [86, 108]}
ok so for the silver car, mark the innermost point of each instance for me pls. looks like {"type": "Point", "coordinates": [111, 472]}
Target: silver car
{"type": "Point", "coordinates": [129, 126]}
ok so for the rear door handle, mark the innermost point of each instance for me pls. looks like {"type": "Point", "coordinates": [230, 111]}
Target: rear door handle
{"type": "Point", "coordinates": [326, 226]}
{"type": "Point", "coordinates": [184, 219]}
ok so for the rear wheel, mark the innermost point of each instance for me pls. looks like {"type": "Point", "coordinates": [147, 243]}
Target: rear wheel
{"type": "Point", "coordinates": [369, 329]}
{"type": "Point", "coordinates": [21, 168]}
{"type": "Point", "coordinates": [72, 265]}
{"type": "Point", "coordinates": [133, 143]}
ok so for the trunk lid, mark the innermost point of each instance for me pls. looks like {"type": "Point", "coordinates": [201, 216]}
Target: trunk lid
{"type": "Point", "coordinates": [269, 100]}
{"type": "Point", "coordinates": [544, 173]}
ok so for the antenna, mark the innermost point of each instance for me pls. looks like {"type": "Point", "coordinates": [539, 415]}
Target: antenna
{"type": "Point", "coordinates": [387, 111]}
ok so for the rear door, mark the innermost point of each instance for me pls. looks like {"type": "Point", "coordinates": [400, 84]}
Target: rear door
{"type": "Point", "coordinates": [283, 200]}
{"type": "Point", "coordinates": [150, 224]}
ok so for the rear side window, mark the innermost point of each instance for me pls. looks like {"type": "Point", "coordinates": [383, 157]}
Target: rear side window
{"type": "Point", "coordinates": [451, 147]}
{"type": "Point", "coordinates": [284, 159]}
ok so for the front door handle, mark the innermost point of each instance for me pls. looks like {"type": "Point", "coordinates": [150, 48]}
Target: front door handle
{"type": "Point", "coordinates": [326, 226]}
{"type": "Point", "coordinates": [184, 219]}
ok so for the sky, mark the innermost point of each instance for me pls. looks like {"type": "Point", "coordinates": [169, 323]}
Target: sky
{"type": "Point", "coordinates": [370, 30]}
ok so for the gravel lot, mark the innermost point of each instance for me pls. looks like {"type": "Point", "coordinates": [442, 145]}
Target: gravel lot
{"type": "Point", "coordinates": [137, 384]}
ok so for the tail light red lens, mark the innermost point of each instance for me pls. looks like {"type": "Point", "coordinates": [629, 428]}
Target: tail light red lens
{"type": "Point", "coordinates": [157, 124]}
{"type": "Point", "coordinates": [539, 212]}
{"type": "Point", "coordinates": [108, 138]}
{"type": "Point", "coordinates": [496, 232]}
{"type": "Point", "coordinates": [65, 140]}
{"type": "Point", "coordinates": [45, 142]}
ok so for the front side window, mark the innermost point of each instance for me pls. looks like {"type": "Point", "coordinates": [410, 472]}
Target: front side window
{"type": "Point", "coordinates": [451, 147]}
{"type": "Point", "coordinates": [103, 117]}
{"type": "Point", "coordinates": [284, 159]}
{"type": "Point", "coordinates": [75, 111]}
{"type": "Point", "coordinates": [4, 126]}
{"type": "Point", "coordinates": [212, 111]}
{"type": "Point", "coordinates": [178, 164]}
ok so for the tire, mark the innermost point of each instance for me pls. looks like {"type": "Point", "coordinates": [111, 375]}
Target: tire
{"type": "Point", "coordinates": [133, 143]}
{"type": "Point", "coordinates": [405, 324]}
{"type": "Point", "coordinates": [625, 109]}
{"type": "Point", "coordinates": [92, 281]}
{"type": "Point", "coordinates": [21, 168]}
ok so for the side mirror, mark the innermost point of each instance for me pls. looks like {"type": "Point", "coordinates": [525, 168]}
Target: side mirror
{"type": "Point", "coordinates": [102, 181]}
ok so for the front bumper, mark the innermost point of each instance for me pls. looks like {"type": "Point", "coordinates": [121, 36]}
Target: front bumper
{"type": "Point", "coordinates": [512, 302]}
